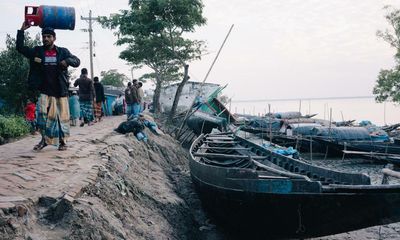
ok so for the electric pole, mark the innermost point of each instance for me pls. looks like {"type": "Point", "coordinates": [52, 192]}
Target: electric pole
{"type": "Point", "coordinates": [90, 30]}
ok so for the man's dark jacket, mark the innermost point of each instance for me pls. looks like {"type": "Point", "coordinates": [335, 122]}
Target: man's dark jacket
{"type": "Point", "coordinates": [131, 95]}
{"type": "Point", "coordinates": [99, 89]}
{"type": "Point", "coordinates": [128, 95]}
{"type": "Point", "coordinates": [36, 71]}
{"type": "Point", "coordinates": [86, 88]}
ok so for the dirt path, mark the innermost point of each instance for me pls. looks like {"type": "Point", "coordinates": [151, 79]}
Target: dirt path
{"type": "Point", "coordinates": [26, 175]}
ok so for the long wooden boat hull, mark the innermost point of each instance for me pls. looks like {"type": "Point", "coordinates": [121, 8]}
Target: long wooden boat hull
{"type": "Point", "coordinates": [261, 215]}
{"type": "Point", "coordinates": [257, 204]}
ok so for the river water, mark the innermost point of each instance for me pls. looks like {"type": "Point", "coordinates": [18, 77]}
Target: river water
{"type": "Point", "coordinates": [342, 109]}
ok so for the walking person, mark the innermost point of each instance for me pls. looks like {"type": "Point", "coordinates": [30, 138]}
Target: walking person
{"type": "Point", "coordinates": [74, 108]}
{"type": "Point", "coordinates": [100, 98]}
{"type": "Point", "coordinates": [135, 99]}
{"type": "Point", "coordinates": [86, 96]}
{"type": "Point", "coordinates": [129, 100]}
{"type": "Point", "coordinates": [140, 96]}
{"type": "Point", "coordinates": [48, 73]}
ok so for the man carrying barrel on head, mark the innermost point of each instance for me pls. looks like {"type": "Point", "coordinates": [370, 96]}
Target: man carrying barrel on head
{"type": "Point", "coordinates": [49, 74]}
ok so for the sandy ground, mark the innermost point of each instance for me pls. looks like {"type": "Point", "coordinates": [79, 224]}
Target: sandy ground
{"type": "Point", "coordinates": [141, 191]}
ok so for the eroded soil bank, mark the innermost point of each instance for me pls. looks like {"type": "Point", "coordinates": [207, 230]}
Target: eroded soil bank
{"type": "Point", "coordinates": [142, 191]}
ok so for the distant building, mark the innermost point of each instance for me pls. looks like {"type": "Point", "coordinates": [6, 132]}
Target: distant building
{"type": "Point", "coordinates": [189, 92]}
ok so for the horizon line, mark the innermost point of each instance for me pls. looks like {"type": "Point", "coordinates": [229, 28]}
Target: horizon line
{"type": "Point", "coordinates": [301, 99]}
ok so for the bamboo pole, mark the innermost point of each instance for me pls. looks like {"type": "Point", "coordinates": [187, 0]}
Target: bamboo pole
{"type": "Point", "coordinates": [384, 112]}
{"type": "Point", "coordinates": [270, 124]}
{"type": "Point", "coordinates": [330, 122]}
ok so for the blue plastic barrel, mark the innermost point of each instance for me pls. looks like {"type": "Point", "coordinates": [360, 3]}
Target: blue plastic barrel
{"type": "Point", "coordinates": [58, 17]}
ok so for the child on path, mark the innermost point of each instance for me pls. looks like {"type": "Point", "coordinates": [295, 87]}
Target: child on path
{"type": "Point", "coordinates": [30, 115]}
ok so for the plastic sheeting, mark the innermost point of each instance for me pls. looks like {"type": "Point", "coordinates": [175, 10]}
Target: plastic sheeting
{"type": "Point", "coordinates": [307, 120]}
{"type": "Point", "coordinates": [377, 134]}
{"type": "Point", "coordinates": [342, 133]}
{"type": "Point", "coordinates": [287, 115]}
{"type": "Point", "coordinates": [365, 123]}
{"type": "Point", "coordinates": [305, 129]}
{"type": "Point", "coordinates": [265, 123]}
{"type": "Point", "coordinates": [290, 151]}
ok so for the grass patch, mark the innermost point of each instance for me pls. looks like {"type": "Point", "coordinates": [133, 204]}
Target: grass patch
{"type": "Point", "coordinates": [12, 127]}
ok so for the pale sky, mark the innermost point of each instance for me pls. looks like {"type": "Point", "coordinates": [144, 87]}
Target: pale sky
{"type": "Point", "coordinates": [277, 49]}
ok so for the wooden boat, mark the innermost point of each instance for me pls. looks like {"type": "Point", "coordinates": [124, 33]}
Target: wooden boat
{"type": "Point", "coordinates": [210, 114]}
{"type": "Point", "coordinates": [301, 143]}
{"type": "Point", "coordinates": [201, 122]}
{"type": "Point", "coordinates": [261, 194]}
{"type": "Point", "coordinates": [382, 157]}
{"type": "Point", "coordinates": [336, 147]}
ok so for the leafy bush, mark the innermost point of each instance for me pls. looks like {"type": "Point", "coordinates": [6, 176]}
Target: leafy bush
{"type": "Point", "coordinates": [12, 127]}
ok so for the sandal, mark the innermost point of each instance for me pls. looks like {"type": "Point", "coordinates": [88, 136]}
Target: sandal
{"type": "Point", "coordinates": [40, 146]}
{"type": "Point", "coordinates": [62, 147]}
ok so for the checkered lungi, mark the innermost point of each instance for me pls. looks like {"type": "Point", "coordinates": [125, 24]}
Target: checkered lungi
{"type": "Point", "coordinates": [87, 111]}
{"type": "Point", "coordinates": [97, 109]}
{"type": "Point", "coordinates": [53, 118]}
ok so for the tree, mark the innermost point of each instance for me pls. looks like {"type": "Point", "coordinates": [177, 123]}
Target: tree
{"type": "Point", "coordinates": [153, 32]}
{"type": "Point", "coordinates": [387, 86]}
{"type": "Point", "coordinates": [169, 76]}
{"type": "Point", "coordinates": [113, 78]}
{"type": "Point", "coordinates": [14, 68]}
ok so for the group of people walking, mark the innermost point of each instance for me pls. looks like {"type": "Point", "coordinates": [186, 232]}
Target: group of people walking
{"type": "Point", "coordinates": [91, 98]}
{"type": "Point", "coordinates": [134, 99]}
{"type": "Point", "coordinates": [86, 96]}
{"type": "Point", "coordinates": [48, 75]}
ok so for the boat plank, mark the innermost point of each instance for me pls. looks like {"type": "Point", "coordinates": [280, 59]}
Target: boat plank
{"type": "Point", "coordinates": [225, 148]}
{"type": "Point", "coordinates": [226, 156]}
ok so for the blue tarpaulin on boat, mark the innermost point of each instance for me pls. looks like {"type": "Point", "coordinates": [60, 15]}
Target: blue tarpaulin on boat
{"type": "Point", "coordinates": [265, 123]}
{"type": "Point", "coordinates": [365, 123]}
{"type": "Point", "coordinates": [304, 129]}
{"type": "Point", "coordinates": [377, 134]}
{"type": "Point", "coordinates": [287, 152]}
{"type": "Point", "coordinates": [287, 115]}
{"type": "Point", "coordinates": [290, 151]}
{"type": "Point", "coordinates": [343, 133]}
